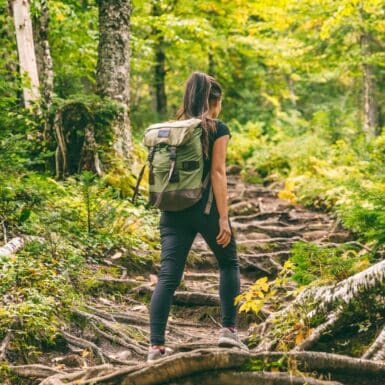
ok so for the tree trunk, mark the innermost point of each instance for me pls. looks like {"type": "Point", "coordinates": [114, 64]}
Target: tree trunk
{"type": "Point", "coordinates": [159, 67]}
{"type": "Point", "coordinates": [211, 68]}
{"type": "Point", "coordinates": [113, 68]}
{"type": "Point", "coordinates": [369, 89]}
{"type": "Point", "coordinates": [44, 62]}
{"type": "Point", "coordinates": [26, 50]}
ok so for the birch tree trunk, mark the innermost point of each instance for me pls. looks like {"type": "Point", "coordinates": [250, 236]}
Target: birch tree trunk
{"type": "Point", "coordinates": [26, 50]}
{"type": "Point", "coordinates": [113, 68]}
{"type": "Point", "coordinates": [44, 61]}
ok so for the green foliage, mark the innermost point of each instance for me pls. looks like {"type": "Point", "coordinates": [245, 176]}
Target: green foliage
{"type": "Point", "coordinates": [366, 215]}
{"type": "Point", "coordinates": [292, 78]}
{"type": "Point", "coordinates": [36, 294]}
{"type": "Point", "coordinates": [327, 264]}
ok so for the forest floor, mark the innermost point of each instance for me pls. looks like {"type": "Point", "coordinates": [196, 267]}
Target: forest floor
{"type": "Point", "coordinates": [115, 322]}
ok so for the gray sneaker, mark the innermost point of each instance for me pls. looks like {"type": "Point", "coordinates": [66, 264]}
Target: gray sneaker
{"type": "Point", "coordinates": [229, 339]}
{"type": "Point", "coordinates": [155, 354]}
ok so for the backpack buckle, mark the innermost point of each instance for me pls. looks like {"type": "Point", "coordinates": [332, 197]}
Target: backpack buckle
{"type": "Point", "coordinates": [151, 154]}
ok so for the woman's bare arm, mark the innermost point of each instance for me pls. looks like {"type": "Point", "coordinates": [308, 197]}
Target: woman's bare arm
{"type": "Point", "coordinates": [219, 183]}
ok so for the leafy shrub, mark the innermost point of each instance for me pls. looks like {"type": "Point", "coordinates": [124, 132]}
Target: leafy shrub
{"type": "Point", "coordinates": [315, 263]}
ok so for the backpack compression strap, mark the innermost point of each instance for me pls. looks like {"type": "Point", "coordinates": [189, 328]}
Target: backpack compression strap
{"type": "Point", "coordinates": [210, 198]}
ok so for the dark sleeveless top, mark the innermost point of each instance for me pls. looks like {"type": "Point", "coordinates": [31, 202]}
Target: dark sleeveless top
{"type": "Point", "coordinates": [221, 130]}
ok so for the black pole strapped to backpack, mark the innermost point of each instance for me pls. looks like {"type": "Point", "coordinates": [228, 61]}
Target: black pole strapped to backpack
{"type": "Point", "coordinates": [137, 184]}
{"type": "Point", "coordinates": [150, 158]}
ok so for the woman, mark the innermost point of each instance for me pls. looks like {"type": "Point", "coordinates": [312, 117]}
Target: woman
{"type": "Point", "coordinates": [202, 99]}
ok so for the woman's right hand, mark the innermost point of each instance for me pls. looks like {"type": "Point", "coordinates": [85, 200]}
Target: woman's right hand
{"type": "Point", "coordinates": [224, 236]}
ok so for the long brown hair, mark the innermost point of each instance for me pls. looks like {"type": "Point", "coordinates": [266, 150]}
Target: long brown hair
{"type": "Point", "coordinates": [201, 90]}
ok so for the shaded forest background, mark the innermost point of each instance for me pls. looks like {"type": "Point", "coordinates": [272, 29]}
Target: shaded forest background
{"type": "Point", "coordinates": [304, 96]}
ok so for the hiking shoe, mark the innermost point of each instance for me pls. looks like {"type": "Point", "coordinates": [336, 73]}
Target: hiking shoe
{"type": "Point", "coordinates": [155, 354]}
{"type": "Point", "coordinates": [227, 338]}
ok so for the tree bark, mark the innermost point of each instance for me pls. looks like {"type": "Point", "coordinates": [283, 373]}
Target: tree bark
{"type": "Point", "coordinates": [44, 62]}
{"type": "Point", "coordinates": [26, 49]}
{"type": "Point", "coordinates": [160, 97]}
{"type": "Point", "coordinates": [113, 68]}
{"type": "Point", "coordinates": [369, 89]}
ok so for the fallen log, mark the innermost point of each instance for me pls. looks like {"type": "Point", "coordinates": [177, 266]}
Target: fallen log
{"type": "Point", "coordinates": [17, 243]}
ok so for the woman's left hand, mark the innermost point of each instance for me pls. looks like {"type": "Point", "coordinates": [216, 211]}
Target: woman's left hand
{"type": "Point", "coordinates": [224, 236]}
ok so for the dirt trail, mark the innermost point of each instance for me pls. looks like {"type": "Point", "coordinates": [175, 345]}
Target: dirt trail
{"type": "Point", "coordinates": [117, 329]}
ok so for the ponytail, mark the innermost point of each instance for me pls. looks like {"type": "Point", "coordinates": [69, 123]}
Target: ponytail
{"type": "Point", "coordinates": [201, 90]}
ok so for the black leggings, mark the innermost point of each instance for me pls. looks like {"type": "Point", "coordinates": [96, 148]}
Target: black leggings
{"type": "Point", "coordinates": [177, 232]}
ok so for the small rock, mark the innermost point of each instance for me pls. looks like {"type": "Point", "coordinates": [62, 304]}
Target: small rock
{"type": "Point", "coordinates": [140, 308]}
{"type": "Point", "coordinates": [117, 255]}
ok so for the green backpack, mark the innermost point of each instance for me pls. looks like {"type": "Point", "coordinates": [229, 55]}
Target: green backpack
{"type": "Point", "coordinates": [175, 158]}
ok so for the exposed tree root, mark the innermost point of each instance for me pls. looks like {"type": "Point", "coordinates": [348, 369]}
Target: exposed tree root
{"type": "Point", "coordinates": [376, 351]}
{"type": "Point", "coordinates": [121, 281]}
{"type": "Point", "coordinates": [272, 231]}
{"type": "Point", "coordinates": [133, 318]}
{"type": "Point", "coordinates": [4, 345]}
{"type": "Point", "coordinates": [111, 327]}
{"type": "Point", "coordinates": [262, 266]}
{"type": "Point", "coordinates": [247, 378]}
{"type": "Point", "coordinates": [115, 339]}
{"type": "Point", "coordinates": [319, 331]}
{"type": "Point", "coordinates": [329, 363]}
{"type": "Point", "coordinates": [186, 297]}
{"type": "Point", "coordinates": [200, 276]}
{"type": "Point", "coordinates": [35, 371]}
{"type": "Point", "coordinates": [208, 365]}
{"type": "Point", "coordinates": [164, 370]}
{"type": "Point", "coordinates": [279, 243]}
{"type": "Point", "coordinates": [81, 343]}
{"type": "Point", "coordinates": [78, 377]}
